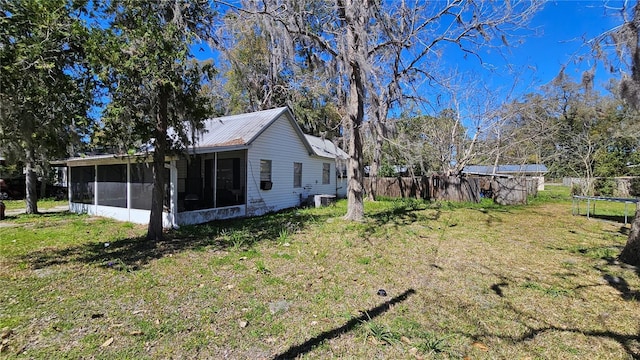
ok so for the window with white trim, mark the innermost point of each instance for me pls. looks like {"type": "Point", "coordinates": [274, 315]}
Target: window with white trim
{"type": "Point", "coordinates": [326, 173]}
{"type": "Point", "coordinates": [265, 175]}
{"type": "Point", "coordinates": [297, 175]}
{"type": "Point", "coordinates": [265, 170]}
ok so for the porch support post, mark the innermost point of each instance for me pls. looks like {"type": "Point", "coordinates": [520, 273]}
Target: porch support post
{"type": "Point", "coordinates": [173, 190]}
{"type": "Point", "coordinates": [215, 179]}
{"type": "Point", "coordinates": [95, 189]}
{"type": "Point", "coordinates": [129, 188]}
{"type": "Point", "coordinates": [69, 185]}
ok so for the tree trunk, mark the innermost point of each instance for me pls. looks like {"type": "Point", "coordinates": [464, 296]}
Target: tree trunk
{"type": "Point", "coordinates": [631, 252]}
{"type": "Point", "coordinates": [355, 201]}
{"type": "Point", "coordinates": [355, 114]}
{"type": "Point", "coordinates": [374, 169]}
{"type": "Point", "coordinates": [379, 136]}
{"type": "Point", "coordinates": [154, 230]}
{"type": "Point", "coordinates": [31, 195]}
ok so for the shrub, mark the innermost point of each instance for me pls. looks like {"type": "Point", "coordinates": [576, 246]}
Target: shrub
{"type": "Point", "coordinates": [634, 188]}
{"type": "Point", "coordinates": [604, 186]}
{"type": "Point", "coordinates": [576, 189]}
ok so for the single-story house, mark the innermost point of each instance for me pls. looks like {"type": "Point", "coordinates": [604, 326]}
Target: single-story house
{"type": "Point", "coordinates": [239, 166]}
{"type": "Point", "coordinates": [533, 171]}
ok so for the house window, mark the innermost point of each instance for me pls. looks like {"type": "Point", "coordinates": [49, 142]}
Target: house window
{"type": "Point", "coordinates": [297, 175]}
{"type": "Point", "coordinates": [265, 175]}
{"type": "Point", "coordinates": [265, 170]}
{"type": "Point", "coordinates": [326, 171]}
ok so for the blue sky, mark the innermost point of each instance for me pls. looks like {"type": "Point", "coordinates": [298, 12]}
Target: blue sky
{"type": "Point", "coordinates": [557, 37]}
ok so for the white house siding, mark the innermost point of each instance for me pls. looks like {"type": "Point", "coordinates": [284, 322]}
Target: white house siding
{"type": "Point", "coordinates": [206, 215]}
{"type": "Point", "coordinates": [135, 216]}
{"type": "Point", "coordinates": [281, 144]}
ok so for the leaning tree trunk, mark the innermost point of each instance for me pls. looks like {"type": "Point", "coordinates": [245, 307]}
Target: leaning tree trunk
{"type": "Point", "coordinates": [31, 195]}
{"type": "Point", "coordinates": [154, 230]}
{"type": "Point", "coordinates": [631, 252]}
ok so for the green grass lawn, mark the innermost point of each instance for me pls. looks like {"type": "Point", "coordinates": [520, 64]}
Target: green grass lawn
{"type": "Point", "coordinates": [42, 204]}
{"type": "Point", "coordinates": [462, 281]}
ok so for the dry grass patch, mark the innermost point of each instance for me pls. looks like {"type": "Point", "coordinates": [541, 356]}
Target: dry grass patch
{"type": "Point", "coordinates": [475, 281]}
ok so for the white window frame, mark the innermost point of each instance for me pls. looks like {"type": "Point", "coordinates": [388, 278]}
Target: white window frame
{"type": "Point", "coordinates": [326, 173]}
{"type": "Point", "coordinates": [297, 174]}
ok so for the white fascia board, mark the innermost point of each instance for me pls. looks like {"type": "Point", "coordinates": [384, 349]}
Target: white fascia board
{"type": "Point", "coordinates": [209, 150]}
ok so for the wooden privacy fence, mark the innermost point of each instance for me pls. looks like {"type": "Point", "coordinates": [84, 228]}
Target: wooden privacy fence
{"type": "Point", "coordinates": [453, 188]}
{"type": "Point", "coordinates": [505, 191]}
{"type": "Point", "coordinates": [399, 187]}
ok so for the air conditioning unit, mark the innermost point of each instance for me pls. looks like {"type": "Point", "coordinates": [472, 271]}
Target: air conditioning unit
{"type": "Point", "coordinates": [265, 185]}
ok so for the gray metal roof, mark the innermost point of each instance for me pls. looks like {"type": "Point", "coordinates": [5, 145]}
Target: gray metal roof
{"type": "Point", "coordinates": [506, 169]}
{"type": "Point", "coordinates": [237, 130]}
{"type": "Point", "coordinates": [325, 148]}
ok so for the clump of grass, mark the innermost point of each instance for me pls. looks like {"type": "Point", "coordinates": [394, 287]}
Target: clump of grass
{"type": "Point", "coordinates": [552, 291]}
{"type": "Point", "coordinates": [283, 236]}
{"type": "Point", "coordinates": [380, 333]}
{"type": "Point", "coordinates": [262, 268]}
{"type": "Point", "coordinates": [430, 343]}
{"type": "Point", "coordinates": [599, 252]}
{"type": "Point", "coordinates": [237, 239]}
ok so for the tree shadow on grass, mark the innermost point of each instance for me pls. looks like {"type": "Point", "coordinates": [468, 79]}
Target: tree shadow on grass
{"type": "Point", "coordinates": [132, 253]}
{"type": "Point", "coordinates": [608, 254]}
{"type": "Point", "coordinates": [618, 282]}
{"type": "Point", "coordinates": [402, 212]}
{"type": "Point", "coordinates": [301, 349]}
{"type": "Point", "coordinates": [629, 342]}
{"type": "Point", "coordinates": [626, 341]}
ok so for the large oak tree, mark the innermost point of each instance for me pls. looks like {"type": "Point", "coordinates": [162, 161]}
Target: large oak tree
{"type": "Point", "coordinates": [353, 40]}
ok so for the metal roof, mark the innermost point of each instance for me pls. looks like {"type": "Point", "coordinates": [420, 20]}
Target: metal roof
{"type": "Point", "coordinates": [236, 130]}
{"type": "Point", "coordinates": [325, 148]}
{"type": "Point", "coordinates": [506, 169]}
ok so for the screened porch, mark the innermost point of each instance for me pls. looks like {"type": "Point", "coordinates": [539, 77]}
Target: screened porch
{"type": "Point", "coordinates": [213, 180]}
